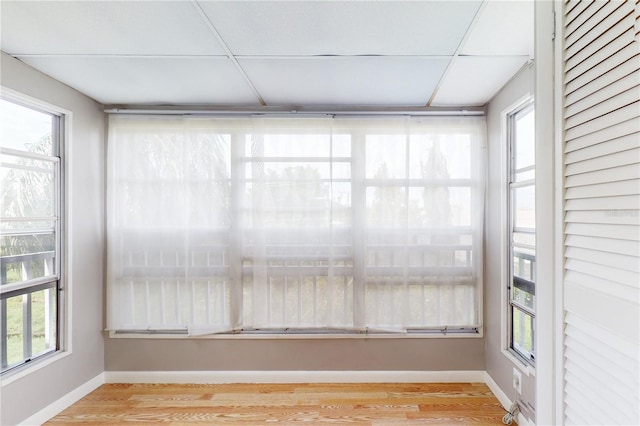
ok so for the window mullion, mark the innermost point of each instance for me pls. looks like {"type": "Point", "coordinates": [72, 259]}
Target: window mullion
{"type": "Point", "coordinates": [26, 326]}
{"type": "Point", "coordinates": [3, 333]}
{"type": "Point", "coordinates": [237, 174]}
{"type": "Point", "coordinates": [358, 201]}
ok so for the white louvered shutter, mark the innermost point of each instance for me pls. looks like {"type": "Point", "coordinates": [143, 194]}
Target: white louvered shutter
{"type": "Point", "coordinates": [601, 284]}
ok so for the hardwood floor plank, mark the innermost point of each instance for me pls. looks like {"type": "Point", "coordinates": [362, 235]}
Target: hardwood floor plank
{"type": "Point", "coordinates": [254, 404]}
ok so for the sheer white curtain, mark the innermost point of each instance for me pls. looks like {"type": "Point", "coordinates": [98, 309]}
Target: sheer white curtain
{"type": "Point", "coordinates": [168, 225]}
{"type": "Point", "coordinates": [297, 241]}
{"type": "Point", "coordinates": [423, 186]}
{"type": "Point", "coordinates": [264, 223]}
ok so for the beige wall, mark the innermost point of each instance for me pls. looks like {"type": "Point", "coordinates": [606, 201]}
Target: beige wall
{"type": "Point", "coordinates": [499, 367]}
{"type": "Point", "coordinates": [24, 397]}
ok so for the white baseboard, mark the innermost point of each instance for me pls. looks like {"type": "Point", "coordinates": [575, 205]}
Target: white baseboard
{"type": "Point", "coordinates": [59, 405]}
{"type": "Point", "coordinates": [504, 399]}
{"type": "Point", "coordinates": [476, 376]}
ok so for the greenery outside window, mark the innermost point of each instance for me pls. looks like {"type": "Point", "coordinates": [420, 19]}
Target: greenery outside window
{"type": "Point", "coordinates": [30, 233]}
{"type": "Point", "coordinates": [522, 231]}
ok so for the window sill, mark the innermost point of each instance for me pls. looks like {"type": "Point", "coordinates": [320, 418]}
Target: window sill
{"type": "Point", "coordinates": [527, 369]}
{"type": "Point", "coordinates": [313, 336]}
{"type": "Point", "coordinates": [32, 367]}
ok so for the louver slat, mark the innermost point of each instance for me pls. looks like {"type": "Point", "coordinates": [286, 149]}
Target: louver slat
{"type": "Point", "coordinates": [623, 143]}
{"type": "Point", "coordinates": [587, 25]}
{"type": "Point", "coordinates": [615, 159]}
{"type": "Point", "coordinates": [600, 70]}
{"type": "Point", "coordinates": [586, 48]}
{"type": "Point", "coordinates": [597, 284]}
{"type": "Point", "coordinates": [601, 282]}
{"type": "Point", "coordinates": [621, 34]}
{"type": "Point", "coordinates": [625, 128]}
{"type": "Point", "coordinates": [575, 8]}
{"type": "Point", "coordinates": [625, 187]}
{"type": "Point", "coordinates": [591, 88]}
{"type": "Point", "coordinates": [624, 247]}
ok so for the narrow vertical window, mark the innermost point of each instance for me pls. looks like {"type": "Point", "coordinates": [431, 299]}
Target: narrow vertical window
{"type": "Point", "coordinates": [522, 231]}
{"type": "Point", "coordinates": [30, 209]}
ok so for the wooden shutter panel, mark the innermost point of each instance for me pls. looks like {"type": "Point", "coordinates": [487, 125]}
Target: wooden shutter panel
{"type": "Point", "coordinates": [601, 281]}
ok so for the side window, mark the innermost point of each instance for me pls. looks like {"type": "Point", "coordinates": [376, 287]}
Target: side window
{"type": "Point", "coordinates": [30, 237]}
{"type": "Point", "coordinates": [522, 231]}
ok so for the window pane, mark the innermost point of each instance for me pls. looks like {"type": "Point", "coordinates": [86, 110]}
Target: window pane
{"type": "Point", "coordinates": [341, 198]}
{"type": "Point", "coordinates": [522, 330]}
{"type": "Point", "coordinates": [528, 175]}
{"type": "Point", "coordinates": [524, 206]}
{"type": "Point", "coordinates": [524, 264]}
{"type": "Point", "coordinates": [43, 321]}
{"type": "Point", "coordinates": [386, 156]}
{"type": "Point", "coordinates": [439, 206]}
{"type": "Point", "coordinates": [525, 139]}
{"type": "Point", "coordinates": [27, 256]}
{"type": "Point", "coordinates": [15, 330]}
{"type": "Point", "coordinates": [523, 238]}
{"type": "Point", "coordinates": [27, 187]}
{"type": "Point", "coordinates": [386, 206]}
{"type": "Point", "coordinates": [521, 296]}
{"type": "Point", "coordinates": [25, 129]}
{"type": "Point", "coordinates": [291, 145]}
{"type": "Point", "coordinates": [440, 157]}
{"type": "Point", "coordinates": [341, 146]}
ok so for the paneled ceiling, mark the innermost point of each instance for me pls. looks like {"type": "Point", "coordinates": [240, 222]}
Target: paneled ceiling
{"type": "Point", "coordinates": [274, 53]}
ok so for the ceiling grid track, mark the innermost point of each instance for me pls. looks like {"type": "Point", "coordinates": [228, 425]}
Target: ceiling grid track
{"type": "Point", "coordinates": [455, 55]}
{"type": "Point", "coordinates": [228, 52]}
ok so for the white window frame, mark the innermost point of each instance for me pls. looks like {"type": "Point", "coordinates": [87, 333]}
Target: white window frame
{"type": "Point", "coordinates": [59, 280]}
{"type": "Point", "coordinates": [507, 118]}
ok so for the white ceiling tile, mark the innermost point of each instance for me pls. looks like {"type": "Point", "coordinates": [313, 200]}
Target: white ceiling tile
{"type": "Point", "coordinates": [342, 28]}
{"type": "Point", "coordinates": [502, 28]}
{"type": "Point", "coordinates": [473, 80]}
{"type": "Point", "coordinates": [105, 27]}
{"type": "Point", "coordinates": [108, 80]}
{"type": "Point", "coordinates": [363, 81]}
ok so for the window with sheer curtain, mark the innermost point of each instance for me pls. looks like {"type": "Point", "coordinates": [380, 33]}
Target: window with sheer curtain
{"type": "Point", "coordinates": [294, 225]}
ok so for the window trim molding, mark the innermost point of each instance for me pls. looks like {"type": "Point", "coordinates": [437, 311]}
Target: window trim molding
{"type": "Point", "coordinates": [64, 305]}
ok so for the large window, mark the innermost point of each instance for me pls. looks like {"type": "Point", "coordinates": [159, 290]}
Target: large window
{"type": "Point", "coordinates": [30, 234]}
{"type": "Point", "coordinates": [522, 226]}
{"type": "Point", "coordinates": [276, 225]}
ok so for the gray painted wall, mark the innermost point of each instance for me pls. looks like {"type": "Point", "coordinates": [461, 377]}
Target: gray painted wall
{"type": "Point", "coordinates": [499, 367]}
{"type": "Point", "coordinates": [433, 354]}
{"type": "Point", "coordinates": [26, 396]}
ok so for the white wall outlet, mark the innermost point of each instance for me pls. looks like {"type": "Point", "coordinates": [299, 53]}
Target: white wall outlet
{"type": "Point", "coordinates": [517, 381]}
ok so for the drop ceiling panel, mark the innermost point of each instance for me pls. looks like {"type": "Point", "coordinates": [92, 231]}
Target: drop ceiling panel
{"type": "Point", "coordinates": [502, 28]}
{"type": "Point", "coordinates": [105, 27]}
{"type": "Point", "coordinates": [364, 81]}
{"type": "Point", "coordinates": [473, 80]}
{"type": "Point", "coordinates": [111, 80]}
{"type": "Point", "coordinates": [342, 28]}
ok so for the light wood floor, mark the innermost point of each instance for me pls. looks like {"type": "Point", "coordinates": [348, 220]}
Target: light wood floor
{"type": "Point", "coordinates": [250, 404]}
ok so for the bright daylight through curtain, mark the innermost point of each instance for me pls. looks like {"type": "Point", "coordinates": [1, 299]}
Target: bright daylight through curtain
{"type": "Point", "coordinates": [319, 224]}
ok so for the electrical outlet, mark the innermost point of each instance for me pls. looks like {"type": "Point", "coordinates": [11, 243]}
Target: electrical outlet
{"type": "Point", "coordinates": [517, 381]}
